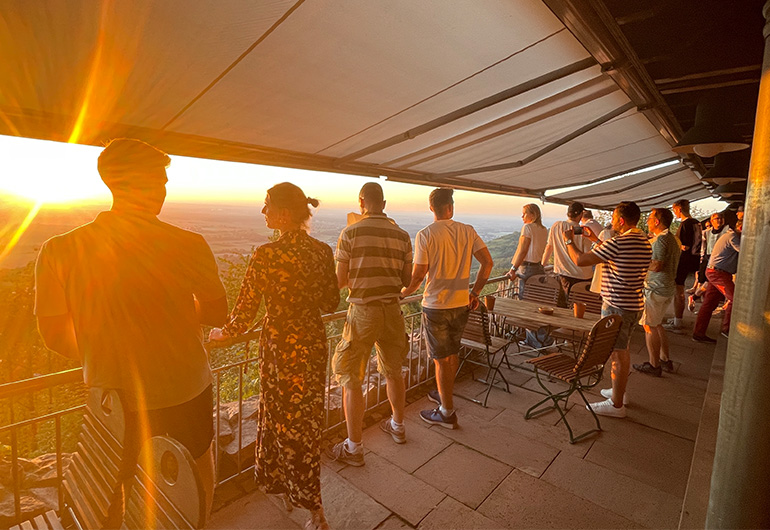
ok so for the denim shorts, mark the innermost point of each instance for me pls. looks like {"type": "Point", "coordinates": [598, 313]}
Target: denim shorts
{"type": "Point", "coordinates": [443, 330]}
{"type": "Point", "coordinates": [629, 320]}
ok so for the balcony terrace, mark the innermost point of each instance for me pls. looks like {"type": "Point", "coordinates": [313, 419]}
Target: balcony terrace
{"type": "Point", "coordinates": [499, 470]}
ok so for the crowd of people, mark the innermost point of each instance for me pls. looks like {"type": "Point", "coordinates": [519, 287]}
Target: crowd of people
{"type": "Point", "coordinates": [127, 294]}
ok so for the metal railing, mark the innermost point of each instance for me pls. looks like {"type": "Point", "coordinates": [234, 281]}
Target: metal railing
{"type": "Point", "coordinates": [241, 374]}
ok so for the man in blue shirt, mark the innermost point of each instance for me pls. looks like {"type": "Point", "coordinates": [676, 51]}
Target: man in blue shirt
{"type": "Point", "coordinates": [722, 265]}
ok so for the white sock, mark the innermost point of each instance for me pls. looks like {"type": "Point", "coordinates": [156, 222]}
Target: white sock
{"type": "Point", "coordinates": [353, 447]}
{"type": "Point", "coordinates": [446, 412]}
{"type": "Point", "coordinates": [396, 426]}
{"type": "Point", "coordinates": [677, 321]}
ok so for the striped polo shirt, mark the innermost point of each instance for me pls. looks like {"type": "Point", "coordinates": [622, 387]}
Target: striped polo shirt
{"type": "Point", "coordinates": [376, 250]}
{"type": "Point", "coordinates": [627, 257]}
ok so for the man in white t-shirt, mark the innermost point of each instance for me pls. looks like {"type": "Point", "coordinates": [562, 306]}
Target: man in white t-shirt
{"type": "Point", "coordinates": [589, 221]}
{"type": "Point", "coordinates": [568, 272]}
{"type": "Point", "coordinates": [444, 251]}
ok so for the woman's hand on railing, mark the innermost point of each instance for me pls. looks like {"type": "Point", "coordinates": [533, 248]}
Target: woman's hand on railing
{"type": "Point", "coordinates": [217, 338]}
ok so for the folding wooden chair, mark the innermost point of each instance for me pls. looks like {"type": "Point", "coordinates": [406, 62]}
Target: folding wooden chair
{"type": "Point", "coordinates": [481, 348]}
{"type": "Point", "coordinates": [542, 288]}
{"type": "Point", "coordinates": [585, 372]}
{"type": "Point", "coordinates": [579, 292]}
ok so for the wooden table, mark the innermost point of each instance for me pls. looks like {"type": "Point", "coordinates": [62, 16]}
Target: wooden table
{"type": "Point", "coordinates": [525, 314]}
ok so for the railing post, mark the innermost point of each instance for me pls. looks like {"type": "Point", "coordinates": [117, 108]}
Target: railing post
{"type": "Point", "coordinates": [740, 483]}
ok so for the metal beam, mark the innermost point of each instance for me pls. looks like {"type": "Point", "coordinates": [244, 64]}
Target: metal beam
{"type": "Point", "coordinates": [601, 179]}
{"type": "Point", "coordinates": [706, 75]}
{"type": "Point", "coordinates": [709, 86]}
{"type": "Point", "coordinates": [636, 185]}
{"type": "Point", "coordinates": [547, 149]}
{"type": "Point", "coordinates": [432, 152]}
{"type": "Point", "coordinates": [654, 199]}
{"type": "Point", "coordinates": [740, 486]}
{"type": "Point", "coordinates": [472, 108]}
{"type": "Point", "coordinates": [232, 65]}
{"type": "Point", "coordinates": [597, 30]}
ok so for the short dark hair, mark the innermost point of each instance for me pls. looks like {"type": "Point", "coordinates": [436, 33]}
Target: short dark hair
{"type": "Point", "coordinates": [629, 212]}
{"type": "Point", "coordinates": [371, 191]}
{"type": "Point", "coordinates": [683, 204]}
{"type": "Point", "coordinates": [588, 214]}
{"type": "Point", "coordinates": [575, 210]}
{"type": "Point", "coordinates": [664, 215]}
{"type": "Point", "coordinates": [441, 198]}
{"type": "Point", "coordinates": [127, 162]}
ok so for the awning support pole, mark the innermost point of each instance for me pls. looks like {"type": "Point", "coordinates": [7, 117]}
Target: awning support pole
{"type": "Point", "coordinates": [740, 480]}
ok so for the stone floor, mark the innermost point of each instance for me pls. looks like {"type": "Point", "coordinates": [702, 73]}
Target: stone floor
{"type": "Point", "coordinates": [499, 470]}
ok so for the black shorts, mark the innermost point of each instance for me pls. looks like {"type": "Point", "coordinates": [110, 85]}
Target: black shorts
{"type": "Point", "coordinates": [688, 264]}
{"type": "Point", "coordinates": [702, 270]}
{"type": "Point", "coordinates": [191, 423]}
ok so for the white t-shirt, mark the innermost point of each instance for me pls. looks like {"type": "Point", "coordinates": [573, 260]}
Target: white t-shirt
{"type": "Point", "coordinates": [447, 248]}
{"type": "Point", "coordinates": [562, 263]}
{"type": "Point", "coordinates": [538, 238]}
{"type": "Point", "coordinates": [594, 225]}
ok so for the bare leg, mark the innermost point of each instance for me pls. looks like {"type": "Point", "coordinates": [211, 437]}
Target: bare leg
{"type": "Point", "coordinates": [652, 339]}
{"type": "Point", "coordinates": [205, 464]}
{"type": "Point", "coordinates": [397, 397]}
{"type": "Point", "coordinates": [621, 364]}
{"type": "Point", "coordinates": [663, 340]}
{"type": "Point", "coordinates": [317, 520]}
{"type": "Point", "coordinates": [446, 369]}
{"type": "Point", "coordinates": [679, 301]}
{"type": "Point", "coordinates": [353, 399]}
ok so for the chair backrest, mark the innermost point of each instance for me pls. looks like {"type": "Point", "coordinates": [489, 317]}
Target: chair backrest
{"type": "Point", "coordinates": [477, 327]}
{"type": "Point", "coordinates": [167, 489]}
{"type": "Point", "coordinates": [542, 288]}
{"type": "Point", "coordinates": [91, 480]}
{"type": "Point", "coordinates": [599, 344]}
{"type": "Point", "coordinates": [581, 292]}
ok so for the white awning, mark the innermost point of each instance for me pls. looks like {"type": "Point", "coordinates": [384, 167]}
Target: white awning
{"type": "Point", "coordinates": [495, 95]}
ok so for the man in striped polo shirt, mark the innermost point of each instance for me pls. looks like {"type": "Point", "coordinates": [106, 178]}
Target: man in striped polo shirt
{"type": "Point", "coordinates": [374, 259]}
{"type": "Point", "coordinates": [627, 258]}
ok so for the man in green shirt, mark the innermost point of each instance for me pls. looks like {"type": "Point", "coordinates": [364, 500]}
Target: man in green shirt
{"type": "Point", "coordinates": [659, 291]}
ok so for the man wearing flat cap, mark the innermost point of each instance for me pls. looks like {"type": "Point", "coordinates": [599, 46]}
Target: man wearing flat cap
{"type": "Point", "coordinates": [126, 295]}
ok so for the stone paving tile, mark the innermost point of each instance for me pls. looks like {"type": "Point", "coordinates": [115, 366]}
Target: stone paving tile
{"type": "Point", "coordinates": [522, 501]}
{"type": "Point", "coordinates": [394, 488]}
{"type": "Point", "coordinates": [347, 507]}
{"type": "Point", "coordinates": [663, 464]}
{"type": "Point", "coordinates": [453, 515]}
{"type": "Point", "coordinates": [421, 445]}
{"type": "Point", "coordinates": [394, 522]}
{"type": "Point", "coordinates": [634, 500]}
{"type": "Point", "coordinates": [464, 474]}
{"type": "Point", "coordinates": [462, 406]}
{"type": "Point", "coordinates": [502, 443]}
{"type": "Point", "coordinates": [546, 430]}
{"type": "Point", "coordinates": [254, 511]}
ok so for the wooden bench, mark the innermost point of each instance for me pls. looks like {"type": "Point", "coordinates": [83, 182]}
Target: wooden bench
{"type": "Point", "coordinates": [166, 485]}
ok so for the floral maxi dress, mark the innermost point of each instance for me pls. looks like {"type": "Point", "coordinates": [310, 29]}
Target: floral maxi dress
{"type": "Point", "coordinates": [296, 277]}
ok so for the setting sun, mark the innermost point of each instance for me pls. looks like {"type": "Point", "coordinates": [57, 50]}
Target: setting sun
{"type": "Point", "coordinates": [49, 172]}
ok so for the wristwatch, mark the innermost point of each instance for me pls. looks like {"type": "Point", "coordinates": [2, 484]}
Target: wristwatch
{"type": "Point", "coordinates": [568, 242]}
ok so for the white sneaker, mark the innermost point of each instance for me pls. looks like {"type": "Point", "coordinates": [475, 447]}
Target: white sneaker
{"type": "Point", "coordinates": [606, 408]}
{"type": "Point", "coordinates": [607, 392]}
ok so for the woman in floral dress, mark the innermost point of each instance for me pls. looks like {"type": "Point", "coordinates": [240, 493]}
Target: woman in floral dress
{"type": "Point", "coordinates": [296, 277]}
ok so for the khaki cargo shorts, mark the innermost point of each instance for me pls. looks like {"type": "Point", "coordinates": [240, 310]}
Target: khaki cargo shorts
{"type": "Point", "coordinates": [655, 307]}
{"type": "Point", "coordinates": [375, 324]}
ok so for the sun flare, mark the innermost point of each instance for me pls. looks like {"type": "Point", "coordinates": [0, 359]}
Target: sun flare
{"type": "Point", "coordinates": [48, 172]}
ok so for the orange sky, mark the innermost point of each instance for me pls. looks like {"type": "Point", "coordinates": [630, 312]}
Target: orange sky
{"type": "Point", "coordinates": [58, 173]}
